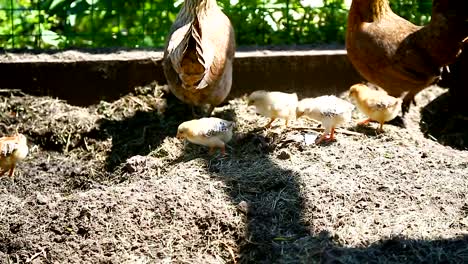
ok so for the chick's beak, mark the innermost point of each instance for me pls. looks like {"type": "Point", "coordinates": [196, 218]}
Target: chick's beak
{"type": "Point", "coordinates": [299, 114]}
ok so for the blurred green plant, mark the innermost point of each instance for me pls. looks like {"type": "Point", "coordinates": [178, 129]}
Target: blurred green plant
{"type": "Point", "coordinates": [145, 23]}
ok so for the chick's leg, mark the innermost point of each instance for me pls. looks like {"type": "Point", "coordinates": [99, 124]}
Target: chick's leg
{"type": "Point", "coordinates": [332, 134]}
{"type": "Point", "coordinates": [223, 150]}
{"type": "Point", "coordinates": [364, 122]}
{"type": "Point", "coordinates": [380, 129]}
{"type": "Point", "coordinates": [217, 143]}
{"type": "Point", "coordinates": [211, 151]}
{"type": "Point", "coordinates": [321, 138]}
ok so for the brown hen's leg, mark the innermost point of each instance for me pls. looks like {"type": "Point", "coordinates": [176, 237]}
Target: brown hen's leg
{"type": "Point", "coordinates": [12, 170]}
{"type": "Point", "coordinates": [194, 112]}
{"type": "Point", "coordinates": [269, 123]}
{"type": "Point", "coordinates": [364, 122]}
{"type": "Point", "coordinates": [3, 172]}
{"type": "Point", "coordinates": [210, 110]}
{"type": "Point", "coordinates": [405, 106]}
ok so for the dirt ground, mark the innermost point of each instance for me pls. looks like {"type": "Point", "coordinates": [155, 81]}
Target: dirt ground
{"type": "Point", "coordinates": [110, 183]}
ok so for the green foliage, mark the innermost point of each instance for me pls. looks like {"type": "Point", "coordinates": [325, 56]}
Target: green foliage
{"type": "Point", "coordinates": [145, 23]}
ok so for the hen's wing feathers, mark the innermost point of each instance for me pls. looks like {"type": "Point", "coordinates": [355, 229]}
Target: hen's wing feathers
{"type": "Point", "coordinates": [212, 45]}
{"type": "Point", "coordinates": [217, 46]}
{"type": "Point", "coordinates": [177, 45]}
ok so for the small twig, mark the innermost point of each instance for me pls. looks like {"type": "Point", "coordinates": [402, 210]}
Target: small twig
{"type": "Point", "coordinates": [86, 144]}
{"type": "Point", "coordinates": [231, 252]}
{"type": "Point", "coordinates": [12, 91]}
{"type": "Point", "coordinates": [35, 256]}
{"type": "Point", "coordinates": [277, 198]}
{"type": "Point", "coordinates": [138, 101]}
{"type": "Point", "coordinates": [68, 142]}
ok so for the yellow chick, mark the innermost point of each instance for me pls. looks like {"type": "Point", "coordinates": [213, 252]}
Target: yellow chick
{"type": "Point", "coordinates": [212, 132]}
{"type": "Point", "coordinates": [274, 105]}
{"type": "Point", "coordinates": [12, 150]}
{"type": "Point", "coordinates": [330, 110]}
{"type": "Point", "coordinates": [377, 105]}
{"type": "Point", "coordinates": [199, 53]}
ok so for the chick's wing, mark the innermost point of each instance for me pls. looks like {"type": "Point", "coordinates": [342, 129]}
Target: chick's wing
{"type": "Point", "coordinates": [7, 147]}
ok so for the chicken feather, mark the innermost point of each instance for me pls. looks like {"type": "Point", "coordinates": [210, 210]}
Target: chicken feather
{"type": "Point", "coordinates": [377, 105]}
{"type": "Point", "coordinates": [12, 150]}
{"type": "Point", "coordinates": [199, 53]}
{"type": "Point", "coordinates": [330, 110]}
{"type": "Point", "coordinates": [209, 131]}
{"type": "Point", "coordinates": [399, 56]}
{"type": "Point", "coordinates": [274, 105]}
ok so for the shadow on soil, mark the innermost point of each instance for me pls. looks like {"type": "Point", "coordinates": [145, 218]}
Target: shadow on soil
{"type": "Point", "coordinates": [400, 250]}
{"type": "Point", "coordinates": [445, 120]}
{"type": "Point", "coordinates": [268, 196]}
{"type": "Point", "coordinates": [140, 133]}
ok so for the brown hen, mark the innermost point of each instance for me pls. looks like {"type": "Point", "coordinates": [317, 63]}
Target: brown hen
{"type": "Point", "coordinates": [199, 53]}
{"type": "Point", "coordinates": [399, 56]}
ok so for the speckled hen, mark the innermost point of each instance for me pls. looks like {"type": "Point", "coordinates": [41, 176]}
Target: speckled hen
{"type": "Point", "coordinates": [199, 54]}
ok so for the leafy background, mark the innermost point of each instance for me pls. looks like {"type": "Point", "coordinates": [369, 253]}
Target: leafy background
{"type": "Point", "coordinates": [36, 24]}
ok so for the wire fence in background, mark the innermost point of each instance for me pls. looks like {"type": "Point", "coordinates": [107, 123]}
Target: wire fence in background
{"type": "Point", "coordinates": [43, 24]}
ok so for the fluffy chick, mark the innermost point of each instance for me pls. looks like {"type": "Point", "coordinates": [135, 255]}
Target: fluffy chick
{"type": "Point", "coordinates": [274, 105]}
{"type": "Point", "coordinates": [12, 150]}
{"type": "Point", "coordinates": [330, 110]}
{"type": "Point", "coordinates": [377, 105]}
{"type": "Point", "coordinates": [209, 131]}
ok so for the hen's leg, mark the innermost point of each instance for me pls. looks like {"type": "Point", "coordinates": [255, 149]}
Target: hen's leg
{"type": "Point", "coordinates": [12, 170]}
{"type": "Point", "coordinates": [269, 123]}
{"type": "Point", "coordinates": [3, 172]}
{"type": "Point", "coordinates": [210, 110]}
{"type": "Point", "coordinates": [194, 112]}
{"type": "Point", "coordinates": [405, 106]}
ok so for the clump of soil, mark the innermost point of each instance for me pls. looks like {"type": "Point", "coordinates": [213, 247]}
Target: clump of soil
{"type": "Point", "coordinates": [109, 183]}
